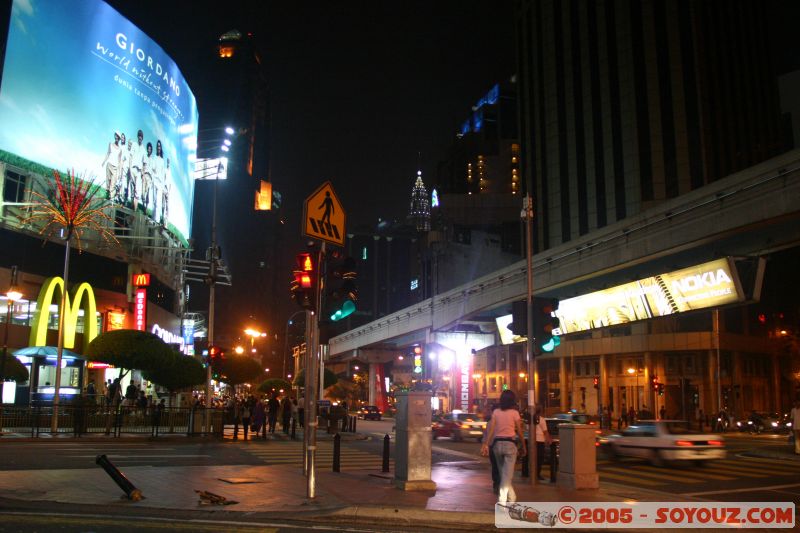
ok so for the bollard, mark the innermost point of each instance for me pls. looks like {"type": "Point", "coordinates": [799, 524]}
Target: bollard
{"type": "Point", "coordinates": [525, 465]}
{"type": "Point", "coordinates": [355, 419]}
{"type": "Point", "coordinates": [553, 461]}
{"type": "Point", "coordinates": [337, 448]}
{"type": "Point", "coordinates": [385, 454]}
{"type": "Point", "coordinates": [119, 478]}
{"type": "Point", "coordinates": [294, 427]}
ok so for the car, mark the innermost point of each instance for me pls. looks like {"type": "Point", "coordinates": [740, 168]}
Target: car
{"type": "Point", "coordinates": [574, 418]}
{"type": "Point", "coordinates": [764, 423]}
{"type": "Point", "coordinates": [369, 412]}
{"type": "Point", "coordinates": [662, 441]}
{"type": "Point", "coordinates": [458, 426]}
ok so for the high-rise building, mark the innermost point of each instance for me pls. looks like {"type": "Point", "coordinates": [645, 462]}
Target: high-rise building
{"type": "Point", "coordinates": [625, 104]}
{"type": "Point", "coordinates": [239, 98]}
{"type": "Point", "coordinates": [419, 215]}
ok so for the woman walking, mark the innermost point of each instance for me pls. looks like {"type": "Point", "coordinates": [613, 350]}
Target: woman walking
{"type": "Point", "coordinates": [504, 429]}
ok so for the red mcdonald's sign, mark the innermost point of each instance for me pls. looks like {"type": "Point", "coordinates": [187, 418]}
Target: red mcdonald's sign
{"type": "Point", "coordinates": [140, 280]}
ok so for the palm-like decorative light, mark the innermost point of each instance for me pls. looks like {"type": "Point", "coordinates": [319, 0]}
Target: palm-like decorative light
{"type": "Point", "coordinates": [70, 204]}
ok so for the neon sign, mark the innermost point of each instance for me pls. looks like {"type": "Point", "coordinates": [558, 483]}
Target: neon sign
{"type": "Point", "coordinates": [140, 309]}
{"type": "Point", "coordinates": [82, 297]}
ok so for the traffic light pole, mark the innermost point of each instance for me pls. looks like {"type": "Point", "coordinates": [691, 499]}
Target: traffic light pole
{"type": "Point", "coordinates": [312, 369]}
{"type": "Point", "coordinates": [530, 347]}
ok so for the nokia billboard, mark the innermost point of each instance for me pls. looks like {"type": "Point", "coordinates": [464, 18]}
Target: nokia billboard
{"type": "Point", "coordinates": [85, 89]}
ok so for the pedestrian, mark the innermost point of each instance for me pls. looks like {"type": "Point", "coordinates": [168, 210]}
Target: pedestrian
{"type": "Point", "coordinates": [631, 415]}
{"type": "Point", "coordinates": [273, 406]}
{"type": "Point", "coordinates": [542, 436]}
{"type": "Point", "coordinates": [624, 417]}
{"type": "Point", "coordinates": [794, 416]}
{"type": "Point", "coordinates": [286, 413]}
{"type": "Point", "coordinates": [91, 393]}
{"type": "Point", "coordinates": [259, 416]}
{"type": "Point", "coordinates": [245, 412]}
{"type": "Point", "coordinates": [504, 428]}
{"type": "Point", "coordinates": [662, 413]}
{"type": "Point", "coordinates": [700, 419]}
{"type": "Point", "coordinates": [295, 410]}
{"type": "Point", "coordinates": [492, 458]}
{"type": "Point", "coordinates": [301, 411]}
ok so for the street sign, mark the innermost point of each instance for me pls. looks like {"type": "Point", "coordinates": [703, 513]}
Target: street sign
{"type": "Point", "coordinates": [323, 216]}
{"type": "Point", "coordinates": [324, 403]}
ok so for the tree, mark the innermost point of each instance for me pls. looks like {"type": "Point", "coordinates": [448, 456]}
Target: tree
{"type": "Point", "coordinates": [71, 205]}
{"type": "Point", "coordinates": [177, 372]}
{"type": "Point", "coordinates": [14, 371]}
{"type": "Point", "coordinates": [127, 349]}
{"type": "Point", "coordinates": [235, 370]}
{"type": "Point", "coordinates": [344, 389]}
{"type": "Point", "coordinates": [274, 385]}
{"type": "Point", "coordinates": [329, 380]}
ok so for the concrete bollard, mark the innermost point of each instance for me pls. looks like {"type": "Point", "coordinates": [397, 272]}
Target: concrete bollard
{"type": "Point", "coordinates": [337, 448]}
{"type": "Point", "coordinates": [385, 454]}
{"type": "Point", "coordinates": [294, 428]}
{"type": "Point", "coordinates": [119, 478]}
{"type": "Point", "coordinates": [553, 461]}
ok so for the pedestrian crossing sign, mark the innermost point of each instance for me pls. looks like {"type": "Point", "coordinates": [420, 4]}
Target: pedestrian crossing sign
{"type": "Point", "coordinates": [323, 216]}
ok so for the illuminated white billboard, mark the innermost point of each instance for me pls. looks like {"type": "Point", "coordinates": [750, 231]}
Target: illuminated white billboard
{"type": "Point", "coordinates": [702, 286]}
{"type": "Point", "coordinates": [85, 89]}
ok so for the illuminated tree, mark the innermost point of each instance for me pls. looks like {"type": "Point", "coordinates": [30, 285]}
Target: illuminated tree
{"type": "Point", "coordinates": [70, 205]}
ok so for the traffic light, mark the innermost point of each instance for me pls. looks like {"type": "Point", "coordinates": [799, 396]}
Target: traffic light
{"type": "Point", "coordinates": [596, 382]}
{"type": "Point", "coordinates": [304, 283]}
{"type": "Point", "coordinates": [519, 318]}
{"type": "Point", "coordinates": [655, 383]}
{"type": "Point", "coordinates": [216, 356]}
{"type": "Point", "coordinates": [342, 293]}
{"type": "Point", "coordinates": [544, 323]}
{"type": "Point", "coordinates": [661, 389]}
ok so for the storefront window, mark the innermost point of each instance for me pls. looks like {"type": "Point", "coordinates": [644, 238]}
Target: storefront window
{"type": "Point", "coordinates": [70, 376]}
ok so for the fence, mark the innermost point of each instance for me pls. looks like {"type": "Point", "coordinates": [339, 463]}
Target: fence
{"type": "Point", "coordinates": [37, 420]}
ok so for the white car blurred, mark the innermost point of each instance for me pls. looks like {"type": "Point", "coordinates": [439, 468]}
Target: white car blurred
{"type": "Point", "coordinates": [661, 441]}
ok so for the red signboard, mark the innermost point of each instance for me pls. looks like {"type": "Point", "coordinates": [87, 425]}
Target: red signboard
{"type": "Point", "coordinates": [140, 280]}
{"type": "Point", "coordinates": [140, 309]}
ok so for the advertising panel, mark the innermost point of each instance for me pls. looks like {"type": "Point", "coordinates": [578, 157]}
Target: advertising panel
{"type": "Point", "coordinates": [711, 284]}
{"type": "Point", "coordinates": [85, 89]}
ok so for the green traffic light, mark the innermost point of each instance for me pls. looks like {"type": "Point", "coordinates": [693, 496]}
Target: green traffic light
{"type": "Point", "coordinates": [347, 309]}
{"type": "Point", "coordinates": [550, 345]}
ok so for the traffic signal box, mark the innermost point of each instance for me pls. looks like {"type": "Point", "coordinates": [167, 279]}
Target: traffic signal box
{"type": "Point", "coordinates": [544, 323]}
{"type": "Point", "coordinates": [341, 294]}
{"type": "Point", "coordinates": [216, 356]}
{"type": "Point", "coordinates": [304, 282]}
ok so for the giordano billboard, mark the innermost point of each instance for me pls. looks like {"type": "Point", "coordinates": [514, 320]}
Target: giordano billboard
{"type": "Point", "coordinates": [85, 89]}
{"type": "Point", "coordinates": [702, 286]}
{"type": "Point", "coordinates": [82, 296]}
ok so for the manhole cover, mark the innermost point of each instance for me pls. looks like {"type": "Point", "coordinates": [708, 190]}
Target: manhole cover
{"type": "Point", "coordinates": [240, 480]}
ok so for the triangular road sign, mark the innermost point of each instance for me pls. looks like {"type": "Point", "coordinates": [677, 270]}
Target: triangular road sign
{"type": "Point", "coordinates": [323, 216]}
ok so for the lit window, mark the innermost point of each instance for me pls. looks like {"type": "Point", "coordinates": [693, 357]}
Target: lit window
{"type": "Point", "coordinates": [225, 51]}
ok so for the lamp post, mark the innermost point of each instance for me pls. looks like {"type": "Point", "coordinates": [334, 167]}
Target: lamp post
{"type": "Point", "coordinates": [12, 295]}
{"type": "Point", "coordinates": [213, 257]}
{"type": "Point", "coordinates": [286, 342]}
{"type": "Point", "coordinates": [633, 371]}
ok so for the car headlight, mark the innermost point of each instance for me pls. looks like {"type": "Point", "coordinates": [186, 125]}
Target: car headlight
{"type": "Point", "coordinates": [788, 424]}
{"type": "Point", "coordinates": [774, 424]}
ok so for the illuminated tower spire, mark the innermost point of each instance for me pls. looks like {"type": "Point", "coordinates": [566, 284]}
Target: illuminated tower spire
{"type": "Point", "coordinates": [420, 214]}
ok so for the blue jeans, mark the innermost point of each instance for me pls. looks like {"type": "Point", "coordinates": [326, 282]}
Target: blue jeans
{"type": "Point", "coordinates": [505, 452]}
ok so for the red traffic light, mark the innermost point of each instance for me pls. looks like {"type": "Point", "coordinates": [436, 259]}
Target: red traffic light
{"type": "Point", "coordinates": [304, 262]}
{"type": "Point", "coordinates": [596, 382]}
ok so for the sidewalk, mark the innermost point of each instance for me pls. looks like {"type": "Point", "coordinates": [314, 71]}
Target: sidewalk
{"type": "Point", "coordinates": [463, 497]}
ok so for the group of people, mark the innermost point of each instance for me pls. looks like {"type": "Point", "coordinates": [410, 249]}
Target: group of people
{"type": "Point", "coordinates": [504, 441]}
{"type": "Point", "coordinates": [135, 176]}
{"type": "Point", "coordinates": [257, 414]}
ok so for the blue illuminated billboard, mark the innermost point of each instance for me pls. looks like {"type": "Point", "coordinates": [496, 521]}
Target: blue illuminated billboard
{"type": "Point", "coordinates": [85, 89]}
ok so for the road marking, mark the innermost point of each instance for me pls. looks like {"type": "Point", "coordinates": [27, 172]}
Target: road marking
{"type": "Point", "coordinates": [656, 476]}
{"type": "Point", "coordinates": [702, 475]}
{"type": "Point", "coordinates": [628, 479]}
{"type": "Point", "coordinates": [736, 491]}
{"type": "Point", "coordinates": [724, 469]}
{"type": "Point", "coordinates": [114, 456]}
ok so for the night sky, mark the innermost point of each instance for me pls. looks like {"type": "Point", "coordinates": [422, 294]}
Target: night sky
{"type": "Point", "coordinates": [358, 89]}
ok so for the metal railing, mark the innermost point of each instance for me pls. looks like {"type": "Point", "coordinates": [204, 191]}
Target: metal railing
{"type": "Point", "coordinates": [36, 420]}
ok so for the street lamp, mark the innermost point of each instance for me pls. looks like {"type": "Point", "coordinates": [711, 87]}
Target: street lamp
{"type": "Point", "coordinates": [286, 341]}
{"type": "Point", "coordinates": [13, 295]}
{"type": "Point", "coordinates": [633, 371]}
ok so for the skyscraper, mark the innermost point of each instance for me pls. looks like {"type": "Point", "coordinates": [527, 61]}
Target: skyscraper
{"type": "Point", "coordinates": [419, 215]}
{"type": "Point", "coordinates": [625, 104]}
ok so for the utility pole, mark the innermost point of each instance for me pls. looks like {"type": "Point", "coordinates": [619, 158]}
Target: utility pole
{"type": "Point", "coordinates": [530, 347]}
{"type": "Point", "coordinates": [213, 257]}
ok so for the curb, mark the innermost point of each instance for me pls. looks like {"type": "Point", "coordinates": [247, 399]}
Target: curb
{"type": "Point", "coordinates": [411, 516]}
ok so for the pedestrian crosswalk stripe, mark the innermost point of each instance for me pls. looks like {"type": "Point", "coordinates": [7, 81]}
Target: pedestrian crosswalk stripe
{"type": "Point", "coordinates": [761, 472]}
{"type": "Point", "coordinates": [629, 479]}
{"type": "Point", "coordinates": [666, 475]}
{"type": "Point", "coordinates": [703, 475]}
